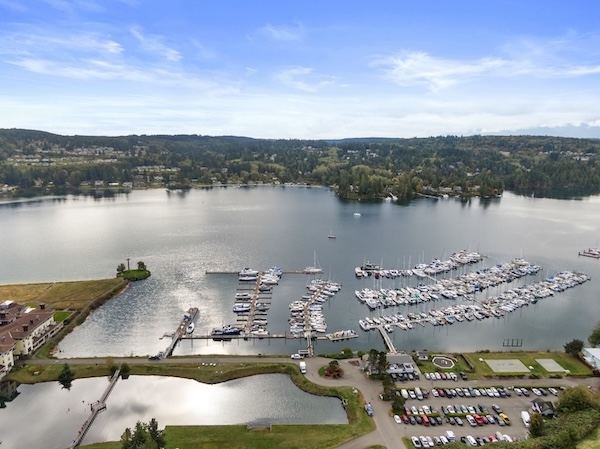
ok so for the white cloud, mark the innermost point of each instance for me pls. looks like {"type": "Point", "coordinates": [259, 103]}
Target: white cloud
{"type": "Point", "coordinates": [562, 57]}
{"type": "Point", "coordinates": [282, 33]}
{"type": "Point", "coordinates": [420, 68]}
{"type": "Point", "coordinates": [303, 79]}
{"type": "Point", "coordinates": [154, 45]}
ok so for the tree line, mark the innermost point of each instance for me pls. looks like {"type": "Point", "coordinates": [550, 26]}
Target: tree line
{"type": "Point", "coordinates": [356, 169]}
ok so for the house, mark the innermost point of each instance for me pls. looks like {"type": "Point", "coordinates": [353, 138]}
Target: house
{"type": "Point", "coordinates": [592, 357]}
{"type": "Point", "coordinates": [543, 407]}
{"type": "Point", "coordinates": [23, 330]}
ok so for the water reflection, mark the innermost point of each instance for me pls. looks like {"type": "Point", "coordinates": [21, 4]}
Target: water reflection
{"type": "Point", "coordinates": [58, 413]}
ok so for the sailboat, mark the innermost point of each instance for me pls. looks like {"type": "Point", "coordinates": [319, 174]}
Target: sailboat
{"type": "Point", "coordinates": [331, 234]}
{"type": "Point", "coordinates": [315, 269]}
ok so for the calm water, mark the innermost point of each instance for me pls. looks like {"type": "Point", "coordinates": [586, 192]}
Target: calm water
{"type": "Point", "coordinates": [265, 399]}
{"type": "Point", "coordinates": [181, 236]}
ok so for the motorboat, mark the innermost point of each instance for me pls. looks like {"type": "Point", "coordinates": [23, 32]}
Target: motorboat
{"type": "Point", "coordinates": [248, 272]}
{"type": "Point", "coordinates": [260, 332]}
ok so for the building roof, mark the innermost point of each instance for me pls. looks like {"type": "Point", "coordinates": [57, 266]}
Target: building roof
{"type": "Point", "coordinates": [399, 358]}
{"type": "Point", "coordinates": [18, 321]}
{"type": "Point", "coordinates": [594, 352]}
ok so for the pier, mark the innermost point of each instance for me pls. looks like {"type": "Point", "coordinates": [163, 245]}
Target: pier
{"type": "Point", "coordinates": [181, 331]}
{"type": "Point", "coordinates": [386, 339]}
{"type": "Point", "coordinates": [95, 408]}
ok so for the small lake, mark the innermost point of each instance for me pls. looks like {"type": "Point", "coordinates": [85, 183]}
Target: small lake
{"type": "Point", "coordinates": [46, 412]}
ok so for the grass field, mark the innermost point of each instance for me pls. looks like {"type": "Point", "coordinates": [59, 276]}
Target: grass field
{"type": "Point", "coordinates": [60, 295]}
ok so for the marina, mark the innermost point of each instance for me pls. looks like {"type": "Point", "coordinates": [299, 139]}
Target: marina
{"type": "Point", "coordinates": [495, 306]}
{"type": "Point", "coordinates": [307, 320]}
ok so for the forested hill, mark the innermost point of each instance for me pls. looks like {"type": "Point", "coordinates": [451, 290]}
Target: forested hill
{"type": "Point", "coordinates": [368, 168]}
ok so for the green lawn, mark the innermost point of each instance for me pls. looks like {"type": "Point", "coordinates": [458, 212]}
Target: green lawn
{"type": "Point", "coordinates": [240, 437]}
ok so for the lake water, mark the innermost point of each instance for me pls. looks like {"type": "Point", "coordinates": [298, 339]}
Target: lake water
{"type": "Point", "coordinates": [182, 235]}
{"type": "Point", "coordinates": [56, 419]}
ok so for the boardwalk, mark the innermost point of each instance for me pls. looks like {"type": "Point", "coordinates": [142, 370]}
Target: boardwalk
{"type": "Point", "coordinates": [386, 339]}
{"type": "Point", "coordinates": [181, 331]}
{"type": "Point", "coordinates": [95, 408]}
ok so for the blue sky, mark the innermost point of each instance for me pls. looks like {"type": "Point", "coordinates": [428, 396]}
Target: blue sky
{"type": "Point", "coordinates": [310, 69]}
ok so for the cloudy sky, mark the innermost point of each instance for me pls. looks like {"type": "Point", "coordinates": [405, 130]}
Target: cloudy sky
{"type": "Point", "coordinates": [302, 69]}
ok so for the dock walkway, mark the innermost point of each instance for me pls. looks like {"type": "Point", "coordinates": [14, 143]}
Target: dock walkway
{"type": "Point", "coordinates": [386, 339]}
{"type": "Point", "coordinates": [96, 408]}
{"type": "Point", "coordinates": [181, 331]}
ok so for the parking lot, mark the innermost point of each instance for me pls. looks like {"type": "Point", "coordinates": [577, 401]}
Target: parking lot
{"type": "Point", "coordinates": [450, 399]}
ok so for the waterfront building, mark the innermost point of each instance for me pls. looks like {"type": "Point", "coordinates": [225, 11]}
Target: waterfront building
{"type": "Point", "coordinates": [23, 330]}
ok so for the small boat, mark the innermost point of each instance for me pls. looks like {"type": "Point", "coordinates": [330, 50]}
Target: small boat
{"type": "Point", "coordinates": [260, 332]}
{"type": "Point", "coordinates": [331, 235]}
{"type": "Point", "coordinates": [357, 214]}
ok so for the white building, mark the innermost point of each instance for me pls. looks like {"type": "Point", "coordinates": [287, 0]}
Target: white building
{"type": "Point", "coordinates": [23, 330]}
{"type": "Point", "coordinates": [592, 356]}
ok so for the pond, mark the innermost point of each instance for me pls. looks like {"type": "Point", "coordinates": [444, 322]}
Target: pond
{"type": "Point", "coordinates": [46, 412]}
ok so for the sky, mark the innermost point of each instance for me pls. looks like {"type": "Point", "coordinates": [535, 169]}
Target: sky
{"type": "Point", "coordinates": [301, 69]}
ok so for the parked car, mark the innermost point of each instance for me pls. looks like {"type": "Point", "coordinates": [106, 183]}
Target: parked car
{"type": "Point", "coordinates": [296, 356]}
{"type": "Point", "coordinates": [504, 418]}
{"type": "Point", "coordinates": [397, 419]}
{"type": "Point", "coordinates": [416, 442]}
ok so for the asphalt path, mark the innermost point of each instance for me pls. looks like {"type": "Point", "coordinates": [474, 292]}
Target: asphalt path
{"type": "Point", "coordinates": [387, 432]}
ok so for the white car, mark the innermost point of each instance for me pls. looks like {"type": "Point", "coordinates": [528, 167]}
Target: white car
{"type": "Point", "coordinates": [397, 419]}
{"type": "Point", "coordinates": [536, 392]}
{"type": "Point", "coordinates": [296, 356]}
{"type": "Point", "coordinates": [416, 442]}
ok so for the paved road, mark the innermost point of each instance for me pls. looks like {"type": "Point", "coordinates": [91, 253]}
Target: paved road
{"type": "Point", "coordinates": [387, 433]}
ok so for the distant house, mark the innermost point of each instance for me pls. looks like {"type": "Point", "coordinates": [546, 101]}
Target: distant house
{"type": "Point", "coordinates": [422, 355]}
{"type": "Point", "coordinates": [544, 408]}
{"type": "Point", "coordinates": [592, 356]}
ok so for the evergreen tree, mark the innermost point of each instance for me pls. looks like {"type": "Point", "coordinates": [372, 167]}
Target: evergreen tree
{"type": "Point", "coordinates": [66, 376]}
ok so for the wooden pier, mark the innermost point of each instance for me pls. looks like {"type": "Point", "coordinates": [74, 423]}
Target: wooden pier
{"type": "Point", "coordinates": [95, 408]}
{"type": "Point", "coordinates": [386, 339]}
{"type": "Point", "coordinates": [181, 331]}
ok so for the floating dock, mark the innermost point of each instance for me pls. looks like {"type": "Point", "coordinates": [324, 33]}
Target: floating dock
{"type": "Point", "coordinates": [591, 252]}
